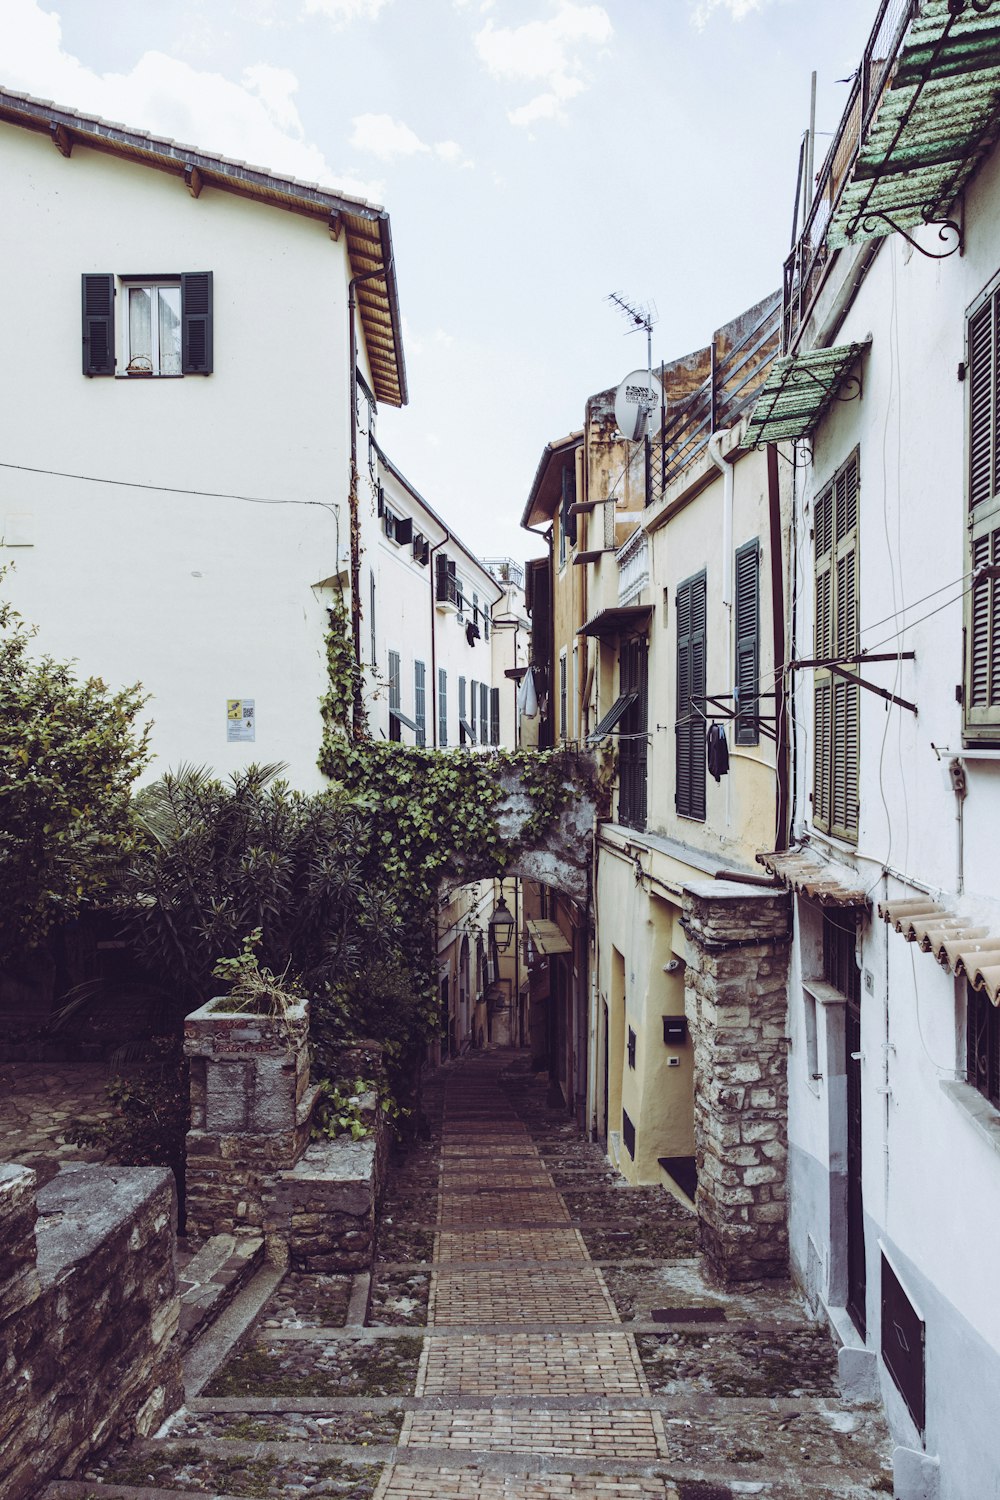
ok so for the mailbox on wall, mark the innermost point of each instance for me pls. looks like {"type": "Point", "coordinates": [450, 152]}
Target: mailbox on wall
{"type": "Point", "coordinates": [675, 1030]}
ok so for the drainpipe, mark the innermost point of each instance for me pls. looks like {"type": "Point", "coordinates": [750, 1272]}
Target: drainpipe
{"type": "Point", "coordinates": [779, 649]}
{"type": "Point", "coordinates": [728, 485]}
{"type": "Point", "coordinates": [434, 675]}
{"type": "Point", "coordinates": [359, 720]}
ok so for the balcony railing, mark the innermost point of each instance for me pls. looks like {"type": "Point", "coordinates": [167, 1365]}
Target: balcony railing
{"type": "Point", "coordinates": [804, 266]}
{"type": "Point", "coordinates": [633, 567]}
{"type": "Point", "coordinates": [505, 570]}
{"type": "Point", "coordinates": [736, 374]}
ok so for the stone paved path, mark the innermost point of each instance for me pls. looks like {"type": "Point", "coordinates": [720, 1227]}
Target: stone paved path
{"type": "Point", "coordinates": [37, 1103]}
{"type": "Point", "coordinates": [523, 1342]}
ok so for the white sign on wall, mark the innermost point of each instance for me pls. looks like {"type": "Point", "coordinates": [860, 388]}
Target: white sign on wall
{"type": "Point", "coordinates": [241, 721]}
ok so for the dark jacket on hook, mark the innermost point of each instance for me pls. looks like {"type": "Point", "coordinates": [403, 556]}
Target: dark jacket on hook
{"type": "Point", "coordinates": [718, 751]}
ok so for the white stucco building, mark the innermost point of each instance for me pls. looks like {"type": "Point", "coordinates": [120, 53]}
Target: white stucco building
{"type": "Point", "coordinates": [180, 420]}
{"type": "Point", "coordinates": [887, 403]}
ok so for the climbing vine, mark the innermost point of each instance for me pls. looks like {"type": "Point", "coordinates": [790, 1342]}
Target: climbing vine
{"type": "Point", "coordinates": [437, 814]}
{"type": "Point", "coordinates": [337, 703]}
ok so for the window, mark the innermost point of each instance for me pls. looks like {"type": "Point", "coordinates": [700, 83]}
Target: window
{"type": "Point", "coordinates": [747, 627]}
{"type": "Point", "coordinates": [166, 324]}
{"type": "Point", "coordinates": [466, 731]}
{"type": "Point", "coordinates": [394, 703]}
{"type": "Point", "coordinates": [982, 611]}
{"type": "Point", "coordinates": [633, 743]}
{"type": "Point", "coordinates": [484, 713]}
{"type": "Point", "coordinates": [689, 728]}
{"type": "Point", "coordinates": [567, 519]}
{"type": "Point", "coordinates": [837, 705]}
{"type": "Point", "coordinates": [446, 583]}
{"type": "Point", "coordinates": [442, 707]}
{"type": "Point", "coordinates": [371, 618]}
{"type": "Point", "coordinates": [420, 701]}
{"type": "Point", "coordinates": [982, 1033]}
{"type": "Point", "coordinates": [494, 716]}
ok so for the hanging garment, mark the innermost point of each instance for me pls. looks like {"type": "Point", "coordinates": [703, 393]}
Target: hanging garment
{"type": "Point", "coordinates": [527, 698]}
{"type": "Point", "coordinates": [718, 751]}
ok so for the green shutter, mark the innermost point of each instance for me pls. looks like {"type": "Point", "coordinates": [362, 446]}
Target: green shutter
{"type": "Point", "coordinates": [420, 701]}
{"type": "Point", "coordinates": [442, 707]}
{"type": "Point", "coordinates": [747, 628]}
{"type": "Point", "coordinates": [689, 733]}
{"type": "Point", "coordinates": [196, 323]}
{"type": "Point", "coordinates": [982, 609]}
{"type": "Point", "coordinates": [836, 703]}
{"type": "Point", "coordinates": [98, 325]}
{"type": "Point", "coordinates": [494, 716]}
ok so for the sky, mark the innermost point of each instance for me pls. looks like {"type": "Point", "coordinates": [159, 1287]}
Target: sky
{"type": "Point", "coordinates": [534, 156]}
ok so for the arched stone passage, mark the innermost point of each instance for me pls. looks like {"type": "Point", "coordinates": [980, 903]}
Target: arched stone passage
{"type": "Point", "coordinates": [562, 857]}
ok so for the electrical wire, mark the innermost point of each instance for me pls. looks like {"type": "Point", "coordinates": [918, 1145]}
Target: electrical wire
{"type": "Point", "coordinates": [169, 489]}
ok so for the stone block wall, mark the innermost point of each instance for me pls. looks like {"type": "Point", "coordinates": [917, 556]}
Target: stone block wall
{"type": "Point", "coordinates": [736, 999]}
{"type": "Point", "coordinates": [251, 1105]}
{"type": "Point", "coordinates": [88, 1313]}
{"type": "Point", "coordinates": [323, 1208]}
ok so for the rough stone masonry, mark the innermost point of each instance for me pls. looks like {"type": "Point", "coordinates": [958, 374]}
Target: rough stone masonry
{"type": "Point", "coordinates": [736, 1000]}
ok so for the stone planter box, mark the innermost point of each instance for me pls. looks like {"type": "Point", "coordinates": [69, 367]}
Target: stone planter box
{"type": "Point", "coordinates": [251, 1105]}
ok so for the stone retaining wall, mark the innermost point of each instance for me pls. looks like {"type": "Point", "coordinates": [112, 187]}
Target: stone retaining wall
{"type": "Point", "coordinates": [736, 1000]}
{"type": "Point", "coordinates": [88, 1313]}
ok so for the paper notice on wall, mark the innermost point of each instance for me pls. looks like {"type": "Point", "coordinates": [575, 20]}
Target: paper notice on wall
{"type": "Point", "coordinates": [240, 720]}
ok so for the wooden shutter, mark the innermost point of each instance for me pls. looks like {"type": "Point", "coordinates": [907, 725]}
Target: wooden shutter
{"type": "Point", "coordinates": [98, 325]}
{"type": "Point", "coordinates": [633, 746]}
{"type": "Point", "coordinates": [494, 716]}
{"type": "Point", "coordinates": [982, 612]}
{"type": "Point", "coordinates": [196, 323]}
{"type": "Point", "coordinates": [837, 708]}
{"type": "Point", "coordinates": [442, 707]}
{"type": "Point", "coordinates": [394, 699]}
{"type": "Point", "coordinates": [747, 627]}
{"type": "Point", "coordinates": [420, 701]}
{"type": "Point", "coordinates": [691, 603]}
{"type": "Point", "coordinates": [484, 713]}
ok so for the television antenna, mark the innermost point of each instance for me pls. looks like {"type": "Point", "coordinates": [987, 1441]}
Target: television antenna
{"type": "Point", "coordinates": [639, 399]}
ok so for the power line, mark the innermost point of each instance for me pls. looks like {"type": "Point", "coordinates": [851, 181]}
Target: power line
{"type": "Point", "coordinates": [169, 489]}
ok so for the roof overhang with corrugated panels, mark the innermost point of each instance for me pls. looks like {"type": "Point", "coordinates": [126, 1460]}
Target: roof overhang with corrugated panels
{"type": "Point", "coordinates": [960, 944]}
{"type": "Point", "coordinates": [798, 391]}
{"type": "Point", "coordinates": [365, 226]}
{"type": "Point", "coordinates": [547, 937]}
{"type": "Point", "coordinates": [939, 114]}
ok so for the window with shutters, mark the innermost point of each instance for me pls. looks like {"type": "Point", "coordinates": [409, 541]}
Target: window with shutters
{"type": "Point", "coordinates": [747, 629]}
{"type": "Point", "coordinates": [420, 701]}
{"type": "Point", "coordinates": [442, 707]}
{"type": "Point", "coordinates": [982, 611]}
{"type": "Point", "coordinates": [394, 699]}
{"type": "Point", "coordinates": [494, 716]}
{"type": "Point", "coordinates": [166, 325]}
{"type": "Point", "coordinates": [567, 518]}
{"type": "Point", "coordinates": [837, 702]}
{"type": "Point", "coordinates": [690, 601]}
{"type": "Point", "coordinates": [633, 743]}
{"type": "Point", "coordinates": [982, 1037]}
{"type": "Point", "coordinates": [484, 713]}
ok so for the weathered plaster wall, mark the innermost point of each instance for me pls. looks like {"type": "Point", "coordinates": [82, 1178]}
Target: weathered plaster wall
{"type": "Point", "coordinates": [88, 1313]}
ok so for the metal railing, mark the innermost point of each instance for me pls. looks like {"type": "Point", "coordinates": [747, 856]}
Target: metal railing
{"type": "Point", "coordinates": [505, 570]}
{"type": "Point", "coordinates": [727, 391]}
{"type": "Point", "coordinates": [811, 252]}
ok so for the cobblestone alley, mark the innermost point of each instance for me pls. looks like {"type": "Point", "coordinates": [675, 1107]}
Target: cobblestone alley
{"type": "Point", "coordinates": [571, 1349]}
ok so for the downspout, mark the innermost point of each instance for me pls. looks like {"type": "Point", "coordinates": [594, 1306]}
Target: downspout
{"type": "Point", "coordinates": [434, 675]}
{"type": "Point", "coordinates": [359, 718]}
{"type": "Point", "coordinates": [779, 648]}
{"type": "Point", "coordinates": [728, 485]}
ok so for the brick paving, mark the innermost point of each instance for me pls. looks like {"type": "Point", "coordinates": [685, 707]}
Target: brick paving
{"type": "Point", "coordinates": [540, 1375]}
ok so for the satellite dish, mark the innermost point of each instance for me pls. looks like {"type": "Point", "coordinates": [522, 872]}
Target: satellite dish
{"type": "Point", "coordinates": [638, 405]}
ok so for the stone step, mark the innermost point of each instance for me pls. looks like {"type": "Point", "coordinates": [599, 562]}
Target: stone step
{"type": "Point", "coordinates": [212, 1278]}
{"type": "Point", "coordinates": [219, 1338]}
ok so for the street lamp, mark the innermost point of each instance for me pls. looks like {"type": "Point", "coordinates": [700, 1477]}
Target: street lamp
{"type": "Point", "coordinates": [501, 925]}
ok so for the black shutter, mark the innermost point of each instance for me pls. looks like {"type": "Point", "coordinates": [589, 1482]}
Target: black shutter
{"type": "Point", "coordinates": [494, 716]}
{"type": "Point", "coordinates": [484, 713]}
{"type": "Point", "coordinates": [98, 325]}
{"type": "Point", "coordinates": [748, 641]}
{"type": "Point", "coordinates": [404, 530]}
{"type": "Point", "coordinates": [196, 323]}
{"type": "Point", "coordinates": [689, 796]}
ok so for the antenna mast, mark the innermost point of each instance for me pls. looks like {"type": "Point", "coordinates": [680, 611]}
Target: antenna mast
{"type": "Point", "coordinates": [640, 317]}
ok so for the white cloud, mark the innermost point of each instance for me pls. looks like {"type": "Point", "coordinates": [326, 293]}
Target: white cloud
{"type": "Point", "coordinates": [390, 139]}
{"type": "Point", "coordinates": [549, 53]}
{"type": "Point", "coordinates": [254, 121]}
{"type": "Point", "coordinates": [343, 12]}
{"type": "Point", "coordinates": [737, 9]}
{"type": "Point", "coordinates": [385, 137]}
